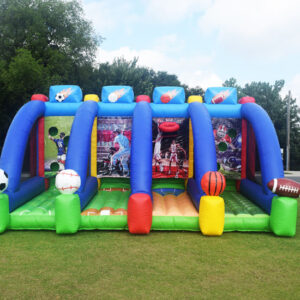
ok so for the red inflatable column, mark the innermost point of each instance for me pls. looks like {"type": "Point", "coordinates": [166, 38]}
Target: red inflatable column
{"type": "Point", "coordinates": [139, 213]}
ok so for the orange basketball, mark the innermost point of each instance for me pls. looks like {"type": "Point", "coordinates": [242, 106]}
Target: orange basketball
{"type": "Point", "coordinates": [120, 212]}
{"type": "Point", "coordinates": [213, 183]}
{"type": "Point", "coordinates": [90, 212]}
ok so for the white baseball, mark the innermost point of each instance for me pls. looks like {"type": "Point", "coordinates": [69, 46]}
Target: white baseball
{"type": "Point", "coordinates": [112, 97]}
{"type": "Point", "coordinates": [67, 181]}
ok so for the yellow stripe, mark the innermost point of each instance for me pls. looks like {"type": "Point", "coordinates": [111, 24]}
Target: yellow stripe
{"type": "Point", "coordinates": [191, 151]}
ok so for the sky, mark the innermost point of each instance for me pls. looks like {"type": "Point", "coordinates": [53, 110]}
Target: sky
{"type": "Point", "coordinates": [204, 42]}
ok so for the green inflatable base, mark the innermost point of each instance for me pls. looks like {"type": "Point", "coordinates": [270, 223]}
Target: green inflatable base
{"type": "Point", "coordinates": [52, 211]}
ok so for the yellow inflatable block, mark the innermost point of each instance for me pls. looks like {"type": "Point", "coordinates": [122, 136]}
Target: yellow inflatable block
{"type": "Point", "coordinates": [91, 97]}
{"type": "Point", "coordinates": [195, 99]}
{"type": "Point", "coordinates": [211, 215]}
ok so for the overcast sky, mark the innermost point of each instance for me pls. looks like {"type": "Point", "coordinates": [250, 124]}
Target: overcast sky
{"type": "Point", "coordinates": [204, 42]}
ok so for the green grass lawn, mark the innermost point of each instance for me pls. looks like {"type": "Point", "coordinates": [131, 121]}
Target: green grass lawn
{"type": "Point", "coordinates": [179, 265]}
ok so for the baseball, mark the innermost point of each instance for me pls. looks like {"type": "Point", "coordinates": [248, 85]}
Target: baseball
{"type": "Point", "coordinates": [67, 181]}
{"type": "Point", "coordinates": [112, 97]}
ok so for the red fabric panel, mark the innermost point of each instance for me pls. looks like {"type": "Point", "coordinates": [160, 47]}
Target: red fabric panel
{"type": "Point", "coordinates": [251, 153]}
{"type": "Point", "coordinates": [32, 143]}
{"type": "Point", "coordinates": [139, 213]}
{"type": "Point", "coordinates": [41, 145]}
{"type": "Point", "coordinates": [244, 150]}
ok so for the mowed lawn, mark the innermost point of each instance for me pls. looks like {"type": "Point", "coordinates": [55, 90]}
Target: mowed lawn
{"type": "Point", "coordinates": [177, 265]}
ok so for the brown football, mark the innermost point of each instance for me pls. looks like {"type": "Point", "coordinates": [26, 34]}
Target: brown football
{"type": "Point", "coordinates": [284, 187]}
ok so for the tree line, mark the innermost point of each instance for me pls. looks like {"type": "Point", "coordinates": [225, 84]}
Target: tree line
{"type": "Point", "coordinates": [49, 42]}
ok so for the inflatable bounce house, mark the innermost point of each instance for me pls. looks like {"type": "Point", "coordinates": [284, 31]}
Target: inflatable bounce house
{"type": "Point", "coordinates": [144, 164]}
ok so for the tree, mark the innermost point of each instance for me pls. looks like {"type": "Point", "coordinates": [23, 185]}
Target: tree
{"type": "Point", "coordinates": [268, 96]}
{"type": "Point", "coordinates": [42, 43]}
{"type": "Point", "coordinates": [141, 79]}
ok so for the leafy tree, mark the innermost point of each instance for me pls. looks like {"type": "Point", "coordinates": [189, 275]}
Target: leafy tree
{"type": "Point", "coordinates": [42, 43]}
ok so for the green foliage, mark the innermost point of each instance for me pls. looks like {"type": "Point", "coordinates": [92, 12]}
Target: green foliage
{"type": "Point", "coordinates": [42, 43]}
{"type": "Point", "coordinates": [268, 96]}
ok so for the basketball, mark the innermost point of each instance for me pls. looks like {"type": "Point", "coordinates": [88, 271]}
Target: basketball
{"type": "Point", "coordinates": [213, 183]}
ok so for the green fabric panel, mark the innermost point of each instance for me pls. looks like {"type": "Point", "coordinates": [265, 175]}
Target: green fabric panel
{"type": "Point", "coordinates": [33, 222]}
{"type": "Point", "coordinates": [103, 222]}
{"type": "Point", "coordinates": [175, 223]}
{"type": "Point", "coordinates": [236, 203]}
{"type": "Point", "coordinates": [114, 199]}
{"type": "Point", "coordinates": [244, 222]}
{"type": "Point", "coordinates": [230, 185]}
{"type": "Point", "coordinates": [108, 182]}
{"type": "Point", "coordinates": [42, 204]}
{"type": "Point", "coordinates": [173, 183]}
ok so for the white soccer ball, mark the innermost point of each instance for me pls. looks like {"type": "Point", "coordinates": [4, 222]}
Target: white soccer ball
{"type": "Point", "coordinates": [60, 97]}
{"type": "Point", "coordinates": [67, 181]}
{"type": "Point", "coordinates": [112, 97]}
{"type": "Point", "coordinates": [3, 181]}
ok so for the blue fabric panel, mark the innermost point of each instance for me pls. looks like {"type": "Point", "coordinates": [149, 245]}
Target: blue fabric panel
{"type": "Point", "coordinates": [168, 191]}
{"type": "Point", "coordinates": [61, 109]}
{"type": "Point", "coordinates": [28, 190]}
{"type": "Point", "coordinates": [168, 95]}
{"type": "Point", "coordinates": [204, 142]}
{"type": "Point", "coordinates": [224, 95]}
{"type": "Point", "coordinates": [13, 151]}
{"type": "Point", "coordinates": [117, 94]}
{"type": "Point", "coordinates": [65, 94]}
{"type": "Point", "coordinates": [115, 110]}
{"type": "Point", "coordinates": [224, 111]}
{"type": "Point", "coordinates": [193, 191]}
{"type": "Point", "coordinates": [90, 189]}
{"type": "Point", "coordinates": [80, 140]}
{"type": "Point", "coordinates": [170, 110]}
{"type": "Point", "coordinates": [256, 194]}
{"type": "Point", "coordinates": [141, 150]}
{"type": "Point", "coordinates": [267, 142]}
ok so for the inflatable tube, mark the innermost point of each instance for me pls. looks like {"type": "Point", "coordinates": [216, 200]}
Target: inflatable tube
{"type": "Point", "coordinates": [13, 151]}
{"type": "Point", "coordinates": [256, 194]}
{"type": "Point", "coordinates": [267, 142]}
{"type": "Point", "coordinates": [80, 141]}
{"type": "Point", "coordinates": [28, 189]}
{"type": "Point", "coordinates": [204, 143]}
{"type": "Point", "coordinates": [141, 150]}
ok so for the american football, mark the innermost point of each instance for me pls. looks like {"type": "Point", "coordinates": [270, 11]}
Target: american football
{"type": "Point", "coordinates": [284, 187]}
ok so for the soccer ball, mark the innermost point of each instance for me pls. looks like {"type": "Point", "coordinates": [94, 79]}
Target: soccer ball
{"type": "Point", "coordinates": [60, 97]}
{"type": "Point", "coordinates": [3, 181]}
{"type": "Point", "coordinates": [67, 181]}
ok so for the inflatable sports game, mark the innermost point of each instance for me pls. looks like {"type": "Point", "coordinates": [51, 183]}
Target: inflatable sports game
{"type": "Point", "coordinates": [144, 164]}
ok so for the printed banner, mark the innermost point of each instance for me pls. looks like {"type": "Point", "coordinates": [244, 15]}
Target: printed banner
{"type": "Point", "coordinates": [56, 138]}
{"type": "Point", "coordinates": [170, 147]}
{"type": "Point", "coordinates": [228, 140]}
{"type": "Point", "coordinates": [113, 146]}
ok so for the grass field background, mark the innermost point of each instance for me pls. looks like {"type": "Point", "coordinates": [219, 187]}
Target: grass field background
{"type": "Point", "coordinates": [164, 265]}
